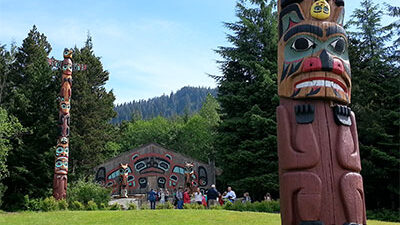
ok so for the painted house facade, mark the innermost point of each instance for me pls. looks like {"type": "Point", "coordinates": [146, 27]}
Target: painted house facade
{"type": "Point", "coordinates": [153, 167]}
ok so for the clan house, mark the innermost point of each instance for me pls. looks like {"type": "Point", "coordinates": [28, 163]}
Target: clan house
{"type": "Point", "coordinates": [153, 167]}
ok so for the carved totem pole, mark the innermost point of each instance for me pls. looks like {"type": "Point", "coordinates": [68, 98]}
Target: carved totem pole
{"type": "Point", "coordinates": [319, 161]}
{"type": "Point", "coordinates": [189, 173]}
{"type": "Point", "coordinates": [62, 150]}
{"type": "Point", "coordinates": [123, 180]}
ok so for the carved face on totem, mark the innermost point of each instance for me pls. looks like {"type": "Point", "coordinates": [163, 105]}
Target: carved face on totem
{"type": "Point", "coordinates": [61, 166]}
{"type": "Point", "coordinates": [313, 59]}
{"type": "Point", "coordinates": [189, 167]}
{"type": "Point", "coordinates": [65, 106]}
{"type": "Point", "coordinates": [62, 150]}
{"type": "Point", "coordinates": [67, 67]}
{"type": "Point", "coordinates": [68, 53]}
{"type": "Point", "coordinates": [123, 173]}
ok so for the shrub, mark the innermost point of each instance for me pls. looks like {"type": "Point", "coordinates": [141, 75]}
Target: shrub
{"type": "Point", "coordinates": [167, 205]}
{"type": "Point", "coordinates": [49, 204]}
{"type": "Point", "coordinates": [62, 204]}
{"type": "Point", "coordinates": [76, 205]}
{"type": "Point", "coordinates": [91, 205]}
{"type": "Point", "coordinates": [132, 206]}
{"type": "Point", "coordinates": [103, 206]}
{"type": "Point", "coordinates": [264, 206]}
{"type": "Point", "coordinates": [383, 214]}
{"type": "Point", "coordinates": [88, 191]}
{"type": "Point", "coordinates": [193, 206]}
{"type": "Point", "coordinates": [31, 204]}
{"type": "Point", "coordinates": [216, 207]}
{"type": "Point", "coordinates": [144, 206]}
{"type": "Point", "coordinates": [115, 206]}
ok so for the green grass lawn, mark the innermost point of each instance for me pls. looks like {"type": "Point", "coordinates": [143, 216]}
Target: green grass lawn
{"type": "Point", "coordinates": [146, 217]}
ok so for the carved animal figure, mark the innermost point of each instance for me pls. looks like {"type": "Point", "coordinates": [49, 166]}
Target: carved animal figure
{"type": "Point", "coordinates": [123, 180]}
{"type": "Point", "coordinates": [319, 161]}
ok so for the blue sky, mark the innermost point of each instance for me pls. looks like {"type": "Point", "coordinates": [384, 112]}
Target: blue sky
{"type": "Point", "coordinates": [149, 47]}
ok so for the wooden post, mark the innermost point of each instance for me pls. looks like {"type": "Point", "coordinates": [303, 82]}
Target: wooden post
{"type": "Point", "coordinates": [319, 161]}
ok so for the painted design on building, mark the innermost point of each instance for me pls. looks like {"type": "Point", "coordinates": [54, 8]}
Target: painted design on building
{"type": "Point", "coordinates": [152, 169]}
{"type": "Point", "coordinates": [319, 161]}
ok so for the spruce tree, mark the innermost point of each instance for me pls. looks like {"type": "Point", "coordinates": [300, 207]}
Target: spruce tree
{"type": "Point", "coordinates": [32, 98]}
{"type": "Point", "coordinates": [91, 113]}
{"type": "Point", "coordinates": [247, 94]}
{"type": "Point", "coordinates": [375, 101]}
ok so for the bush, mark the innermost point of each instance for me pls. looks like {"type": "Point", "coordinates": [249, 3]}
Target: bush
{"type": "Point", "coordinates": [31, 204]}
{"type": "Point", "coordinates": [115, 206]}
{"type": "Point", "coordinates": [383, 214]}
{"type": "Point", "coordinates": [167, 205]}
{"type": "Point", "coordinates": [88, 191]}
{"type": "Point", "coordinates": [264, 206]}
{"type": "Point", "coordinates": [193, 206]}
{"type": "Point", "coordinates": [144, 206]}
{"type": "Point", "coordinates": [103, 206]}
{"type": "Point", "coordinates": [76, 205]}
{"type": "Point", "coordinates": [49, 204]}
{"type": "Point", "coordinates": [132, 206]}
{"type": "Point", "coordinates": [216, 207]}
{"type": "Point", "coordinates": [62, 204]}
{"type": "Point", "coordinates": [91, 205]}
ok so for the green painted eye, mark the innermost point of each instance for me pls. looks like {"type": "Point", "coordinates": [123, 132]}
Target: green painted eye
{"type": "Point", "coordinates": [66, 164]}
{"type": "Point", "coordinates": [59, 164]}
{"type": "Point", "coordinates": [60, 150]}
{"type": "Point", "coordinates": [326, 9]}
{"type": "Point", "coordinates": [302, 44]}
{"type": "Point", "coordinates": [66, 150]}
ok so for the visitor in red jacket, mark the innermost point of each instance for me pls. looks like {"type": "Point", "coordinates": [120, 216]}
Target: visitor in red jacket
{"type": "Point", "coordinates": [186, 197]}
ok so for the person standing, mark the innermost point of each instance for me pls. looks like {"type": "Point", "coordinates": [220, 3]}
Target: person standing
{"type": "Point", "coordinates": [198, 197]}
{"type": "Point", "coordinates": [231, 196]}
{"type": "Point", "coordinates": [186, 197]}
{"type": "Point", "coordinates": [212, 196]}
{"type": "Point", "coordinates": [152, 198]}
{"type": "Point", "coordinates": [246, 198]}
{"type": "Point", "coordinates": [179, 198]}
{"type": "Point", "coordinates": [162, 196]}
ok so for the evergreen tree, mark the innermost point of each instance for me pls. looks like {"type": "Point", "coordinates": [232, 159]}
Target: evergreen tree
{"type": "Point", "coordinates": [91, 113]}
{"type": "Point", "coordinates": [248, 97]}
{"type": "Point", "coordinates": [7, 58]}
{"type": "Point", "coordinates": [375, 101]}
{"type": "Point", "coordinates": [32, 98]}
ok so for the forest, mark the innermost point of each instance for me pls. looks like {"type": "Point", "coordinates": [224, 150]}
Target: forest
{"type": "Point", "coordinates": [236, 127]}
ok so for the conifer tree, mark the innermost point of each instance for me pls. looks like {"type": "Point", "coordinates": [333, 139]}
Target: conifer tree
{"type": "Point", "coordinates": [32, 98]}
{"type": "Point", "coordinates": [247, 95]}
{"type": "Point", "coordinates": [375, 101]}
{"type": "Point", "coordinates": [91, 113]}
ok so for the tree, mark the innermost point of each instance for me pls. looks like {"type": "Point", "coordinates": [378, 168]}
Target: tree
{"type": "Point", "coordinates": [31, 97]}
{"type": "Point", "coordinates": [248, 97]}
{"type": "Point", "coordinates": [10, 128]}
{"type": "Point", "coordinates": [375, 101]}
{"type": "Point", "coordinates": [6, 60]}
{"type": "Point", "coordinates": [91, 113]}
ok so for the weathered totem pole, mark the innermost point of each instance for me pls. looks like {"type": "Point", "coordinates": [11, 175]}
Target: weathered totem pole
{"type": "Point", "coordinates": [62, 150]}
{"type": "Point", "coordinates": [189, 173]}
{"type": "Point", "coordinates": [319, 161]}
{"type": "Point", "coordinates": [123, 180]}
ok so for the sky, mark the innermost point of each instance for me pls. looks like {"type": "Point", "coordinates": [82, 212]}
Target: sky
{"type": "Point", "coordinates": [149, 47]}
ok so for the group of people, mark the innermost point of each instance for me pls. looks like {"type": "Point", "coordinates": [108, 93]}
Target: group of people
{"type": "Point", "coordinates": [211, 197]}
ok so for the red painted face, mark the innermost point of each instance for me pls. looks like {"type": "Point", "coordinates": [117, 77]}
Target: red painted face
{"type": "Point", "coordinates": [67, 66]}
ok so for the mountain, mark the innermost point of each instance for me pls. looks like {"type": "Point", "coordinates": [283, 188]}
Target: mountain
{"type": "Point", "coordinates": [186, 100]}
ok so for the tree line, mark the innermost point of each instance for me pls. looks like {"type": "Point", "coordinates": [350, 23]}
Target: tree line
{"type": "Point", "coordinates": [237, 129]}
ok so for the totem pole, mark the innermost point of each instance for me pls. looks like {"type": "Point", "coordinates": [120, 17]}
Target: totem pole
{"type": "Point", "coordinates": [319, 161]}
{"type": "Point", "coordinates": [62, 149]}
{"type": "Point", "coordinates": [123, 180]}
{"type": "Point", "coordinates": [189, 173]}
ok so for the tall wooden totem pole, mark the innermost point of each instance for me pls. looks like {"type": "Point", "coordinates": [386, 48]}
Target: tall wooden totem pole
{"type": "Point", "coordinates": [61, 164]}
{"type": "Point", "coordinates": [319, 161]}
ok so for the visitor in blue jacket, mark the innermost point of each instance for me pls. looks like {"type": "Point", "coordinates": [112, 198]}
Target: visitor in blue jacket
{"type": "Point", "coordinates": [152, 198]}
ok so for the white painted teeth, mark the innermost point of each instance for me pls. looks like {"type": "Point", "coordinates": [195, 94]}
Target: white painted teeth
{"type": "Point", "coordinates": [319, 83]}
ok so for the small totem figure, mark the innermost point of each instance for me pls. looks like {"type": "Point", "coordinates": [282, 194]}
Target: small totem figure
{"type": "Point", "coordinates": [123, 180]}
{"type": "Point", "coordinates": [189, 176]}
{"type": "Point", "coordinates": [319, 160]}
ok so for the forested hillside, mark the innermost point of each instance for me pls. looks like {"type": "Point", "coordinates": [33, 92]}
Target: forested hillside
{"type": "Point", "coordinates": [186, 100]}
